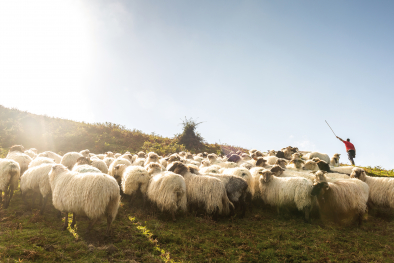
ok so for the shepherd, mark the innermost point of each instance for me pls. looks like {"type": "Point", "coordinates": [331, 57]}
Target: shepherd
{"type": "Point", "coordinates": [351, 151]}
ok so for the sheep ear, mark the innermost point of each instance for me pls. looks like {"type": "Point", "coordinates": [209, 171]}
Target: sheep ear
{"type": "Point", "coordinates": [117, 166]}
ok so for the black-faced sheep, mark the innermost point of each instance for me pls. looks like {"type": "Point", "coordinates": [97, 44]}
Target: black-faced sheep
{"type": "Point", "coordinates": [341, 199]}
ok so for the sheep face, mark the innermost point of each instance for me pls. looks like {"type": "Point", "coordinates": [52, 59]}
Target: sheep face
{"type": "Point", "coordinates": [85, 153]}
{"type": "Point", "coordinates": [320, 189]}
{"type": "Point", "coordinates": [189, 156]}
{"type": "Point", "coordinates": [83, 160]}
{"type": "Point", "coordinates": [266, 176]}
{"type": "Point", "coordinates": [153, 168]}
{"type": "Point", "coordinates": [247, 165]}
{"type": "Point", "coordinates": [234, 158]}
{"type": "Point", "coordinates": [296, 156]}
{"type": "Point", "coordinates": [141, 154]}
{"type": "Point", "coordinates": [358, 173]}
{"type": "Point", "coordinates": [277, 170]}
{"type": "Point", "coordinates": [316, 159]}
{"type": "Point", "coordinates": [320, 176]}
{"type": "Point", "coordinates": [281, 162]}
{"type": "Point", "coordinates": [310, 165]}
{"type": "Point", "coordinates": [179, 168]}
{"type": "Point", "coordinates": [271, 153]}
{"type": "Point", "coordinates": [211, 157]}
{"type": "Point", "coordinates": [17, 148]}
{"type": "Point", "coordinates": [246, 157]}
{"type": "Point", "coordinates": [261, 162]}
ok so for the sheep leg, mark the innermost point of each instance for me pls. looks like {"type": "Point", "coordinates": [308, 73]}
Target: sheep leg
{"type": "Point", "coordinates": [360, 219]}
{"type": "Point", "coordinates": [43, 204]}
{"type": "Point", "coordinates": [25, 200]}
{"type": "Point", "coordinates": [307, 211]}
{"type": "Point", "coordinates": [10, 194]}
{"type": "Point", "coordinates": [33, 199]}
{"type": "Point", "coordinates": [74, 220]}
{"type": "Point", "coordinates": [243, 207]}
{"type": "Point", "coordinates": [1, 196]}
{"type": "Point", "coordinates": [173, 215]}
{"type": "Point", "coordinates": [91, 224]}
{"type": "Point", "coordinates": [109, 222]}
{"type": "Point", "coordinates": [59, 214]}
{"type": "Point", "coordinates": [65, 222]}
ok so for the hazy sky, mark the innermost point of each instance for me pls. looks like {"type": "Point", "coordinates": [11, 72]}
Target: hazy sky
{"type": "Point", "coordinates": [260, 74]}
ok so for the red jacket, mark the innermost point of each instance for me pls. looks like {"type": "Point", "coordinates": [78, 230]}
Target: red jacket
{"type": "Point", "coordinates": [349, 146]}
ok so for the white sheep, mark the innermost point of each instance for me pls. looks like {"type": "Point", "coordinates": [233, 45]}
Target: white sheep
{"type": "Point", "coordinates": [152, 158]}
{"type": "Point", "coordinates": [85, 168]}
{"type": "Point", "coordinates": [286, 191]}
{"type": "Point", "coordinates": [36, 180]}
{"type": "Point", "coordinates": [108, 161]}
{"type": "Point", "coordinates": [70, 159]}
{"type": "Point", "coordinates": [109, 155]}
{"type": "Point", "coordinates": [244, 174]}
{"type": "Point", "coordinates": [205, 191]}
{"type": "Point", "coordinates": [99, 164]}
{"type": "Point", "coordinates": [9, 176]}
{"type": "Point", "coordinates": [167, 190]}
{"type": "Point", "coordinates": [134, 179]}
{"type": "Point", "coordinates": [115, 172]}
{"type": "Point", "coordinates": [341, 199]}
{"type": "Point", "coordinates": [85, 153]}
{"type": "Point", "coordinates": [41, 160]}
{"type": "Point", "coordinates": [271, 160]}
{"type": "Point", "coordinates": [335, 160]}
{"type": "Point", "coordinates": [31, 153]}
{"type": "Point", "coordinates": [255, 172]}
{"type": "Point", "coordinates": [210, 169]}
{"type": "Point", "coordinates": [321, 156]}
{"type": "Point", "coordinates": [90, 194]}
{"type": "Point", "coordinates": [56, 157]}
{"type": "Point", "coordinates": [236, 189]}
{"type": "Point", "coordinates": [343, 169]}
{"type": "Point", "coordinates": [17, 154]}
{"type": "Point", "coordinates": [380, 188]}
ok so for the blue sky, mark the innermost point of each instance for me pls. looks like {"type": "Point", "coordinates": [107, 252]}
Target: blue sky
{"type": "Point", "coordinates": [260, 74]}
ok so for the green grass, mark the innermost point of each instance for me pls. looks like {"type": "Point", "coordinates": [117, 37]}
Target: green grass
{"type": "Point", "coordinates": [152, 237]}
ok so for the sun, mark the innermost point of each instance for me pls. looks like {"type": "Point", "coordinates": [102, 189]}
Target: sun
{"type": "Point", "coordinates": [46, 52]}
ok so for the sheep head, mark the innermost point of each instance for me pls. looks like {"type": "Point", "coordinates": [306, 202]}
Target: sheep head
{"type": "Point", "coordinates": [358, 173]}
{"type": "Point", "coordinates": [179, 168]}
{"type": "Point", "coordinates": [234, 158]}
{"type": "Point", "coordinates": [141, 154]}
{"type": "Point", "coordinates": [247, 165]}
{"type": "Point", "coordinates": [246, 157]}
{"type": "Point", "coordinates": [83, 160]}
{"type": "Point", "coordinates": [320, 189]}
{"type": "Point", "coordinates": [193, 169]}
{"type": "Point", "coordinates": [310, 165]}
{"type": "Point", "coordinates": [266, 176]}
{"type": "Point", "coordinates": [271, 153]}
{"type": "Point", "coordinates": [153, 168]}
{"type": "Point", "coordinates": [277, 170]}
{"type": "Point", "coordinates": [261, 162]}
{"type": "Point", "coordinates": [281, 162]}
{"type": "Point", "coordinates": [85, 153]}
{"type": "Point", "coordinates": [17, 148]}
{"type": "Point", "coordinates": [320, 176]}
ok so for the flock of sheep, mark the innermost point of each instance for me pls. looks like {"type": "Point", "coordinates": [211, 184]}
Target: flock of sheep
{"type": "Point", "coordinates": [91, 185]}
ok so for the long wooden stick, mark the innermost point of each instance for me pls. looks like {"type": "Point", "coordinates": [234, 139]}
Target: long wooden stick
{"type": "Point", "coordinates": [331, 129]}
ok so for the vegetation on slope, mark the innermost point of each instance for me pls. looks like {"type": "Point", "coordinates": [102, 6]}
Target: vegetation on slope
{"type": "Point", "coordinates": [59, 135]}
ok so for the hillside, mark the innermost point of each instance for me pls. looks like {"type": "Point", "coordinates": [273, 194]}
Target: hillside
{"type": "Point", "coordinates": [61, 136]}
